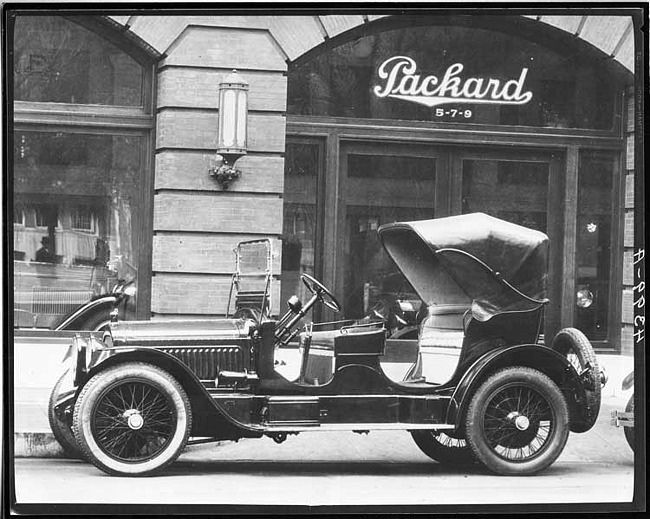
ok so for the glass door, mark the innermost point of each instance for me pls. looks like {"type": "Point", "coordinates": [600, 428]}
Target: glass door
{"type": "Point", "coordinates": [381, 183]}
{"type": "Point", "coordinates": [521, 187]}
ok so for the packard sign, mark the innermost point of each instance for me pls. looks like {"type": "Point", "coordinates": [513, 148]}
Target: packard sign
{"type": "Point", "coordinates": [401, 82]}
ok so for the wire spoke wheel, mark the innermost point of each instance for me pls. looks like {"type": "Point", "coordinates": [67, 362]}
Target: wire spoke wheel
{"type": "Point", "coordinates": [517, 422]}
{"type": "Point", "coordinates": [132, 419]}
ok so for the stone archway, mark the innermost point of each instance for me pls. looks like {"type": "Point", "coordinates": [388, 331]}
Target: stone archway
{"type": "Point", "coordinates": [297, 35]}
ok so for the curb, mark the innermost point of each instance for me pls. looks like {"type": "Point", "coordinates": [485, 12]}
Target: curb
{"type": "Point", "coordinates": [36, 445]}
{"type": "Point", "coordinates": [44, 445]}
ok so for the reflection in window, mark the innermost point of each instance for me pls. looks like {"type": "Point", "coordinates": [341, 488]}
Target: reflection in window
{"type": "Point", "coordinates": [77, 239]}
{"type": "Point", "coordinates": [19, 214]}
{"type": "Point", "coordinates": [56, 60]}
{"type": "Point", "coordinates": [83, 219]}
{"type": "Point", "coordinates": [382, 189]}
{"type": "Point", "coordinates": [593, 250]}
{"type": "Point", "coordinates": [515, 191]}
{"type": "Point", "coordinates": [568, 91]}
{"type": "Point", "coordinates": [302, 164]}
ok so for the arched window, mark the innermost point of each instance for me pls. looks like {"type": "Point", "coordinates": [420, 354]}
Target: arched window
{"type": "Point", "coordinates": [81, 166]}
{"type": "Point", "coordinates": [478, 63]}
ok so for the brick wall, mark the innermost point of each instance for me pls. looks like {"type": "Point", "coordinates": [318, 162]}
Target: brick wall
{"type": "Point", "coordinates": [196, 223]}
{"type": "Point", "coordinates": [628, 236]}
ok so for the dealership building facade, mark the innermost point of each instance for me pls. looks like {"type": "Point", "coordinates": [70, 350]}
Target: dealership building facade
{"type": "Point", "coordinates": [353, 121]}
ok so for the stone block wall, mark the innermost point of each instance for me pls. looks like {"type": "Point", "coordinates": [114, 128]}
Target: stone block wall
{"type": "Point", "coordinates": [196, 223]}
{"type": "Point", "coordinates": [627, 331]}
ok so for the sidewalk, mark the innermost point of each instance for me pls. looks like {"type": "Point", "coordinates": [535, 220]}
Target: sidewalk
{"type": "Point", "coordinates": [37, 367]}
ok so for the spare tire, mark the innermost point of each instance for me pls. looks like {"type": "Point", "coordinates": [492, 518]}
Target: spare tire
{"type": "Point", "coordinates": [574, 345]}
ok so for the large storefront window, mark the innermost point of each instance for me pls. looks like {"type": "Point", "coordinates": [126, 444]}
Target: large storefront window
{"type": "Point", "coordinates": [302, 167]}
{"type": "Point", "coordinates": [381, 188]}
{"type": "Point", "coordinates": [77, 190]}
{"type": "Point", "coordinates": [564, 87]}
{"type": "Point", "coordinates": [515, 191]}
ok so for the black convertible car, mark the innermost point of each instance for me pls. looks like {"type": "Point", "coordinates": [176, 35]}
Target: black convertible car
{"type": "Point", "coordinates": [131, 402]}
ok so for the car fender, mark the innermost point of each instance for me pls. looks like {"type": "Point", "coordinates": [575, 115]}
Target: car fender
{"type": "Point", "coordinates": [628, 381]}
{"type": "Point", "coordinates": [103, 304]}
{"type": "Point", "coordinates": [535, 356]}
{"type": "Point", "coordinates": [92, 360]}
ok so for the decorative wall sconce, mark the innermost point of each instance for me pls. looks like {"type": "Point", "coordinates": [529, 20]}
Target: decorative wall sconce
{"type": "Point", "coordinates": [232, 129]}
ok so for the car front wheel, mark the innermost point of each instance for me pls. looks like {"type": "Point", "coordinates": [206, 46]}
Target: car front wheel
{"type": "Point", "coordinates": [132, 419]}
{"type": "Point", "coordinates": [517, 422]}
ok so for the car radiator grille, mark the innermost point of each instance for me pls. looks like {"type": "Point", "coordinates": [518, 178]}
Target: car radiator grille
{"type": "Point", "coordinates": [207, 362]}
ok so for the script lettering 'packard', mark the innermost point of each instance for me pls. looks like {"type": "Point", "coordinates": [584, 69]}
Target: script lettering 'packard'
{"type": "Point", "coordinates": [402, 82]}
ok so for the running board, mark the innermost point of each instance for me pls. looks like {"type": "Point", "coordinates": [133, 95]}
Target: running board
{"type": "Point", "coordinates": [399, 426]}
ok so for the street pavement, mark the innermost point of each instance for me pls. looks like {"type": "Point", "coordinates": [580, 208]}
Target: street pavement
{"type": "Point", "coordinates": [341, 468]}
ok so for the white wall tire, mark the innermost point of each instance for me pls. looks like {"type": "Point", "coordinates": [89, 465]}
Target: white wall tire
{"type": "Point", "coordinates": [132, 419]}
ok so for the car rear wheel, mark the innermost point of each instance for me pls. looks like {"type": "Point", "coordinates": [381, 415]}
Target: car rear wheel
{"type": "Point", "coordinates": [132, 419]}
{"type": "Point", "coordinates": [517, 422]}
{"type": "Point", "coordinates": [573, 344]}
{"type": "Point", "coordinates": [62, 431]}
{"type": "Point", "coordinates": [629, 431]}
{"type": "Point", "coordinates": [443, 447]}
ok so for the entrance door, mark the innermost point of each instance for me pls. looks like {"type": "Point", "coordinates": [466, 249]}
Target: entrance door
{"type": "Point", "coordinates": [516, 186]}
{"type": "Point", "coordinates": [379, 184]}
{"type": "Point", "coordinates": [382, 182]}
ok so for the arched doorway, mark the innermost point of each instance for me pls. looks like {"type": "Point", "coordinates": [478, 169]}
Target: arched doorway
{"type": "Point", "coordinates": [437, 117]}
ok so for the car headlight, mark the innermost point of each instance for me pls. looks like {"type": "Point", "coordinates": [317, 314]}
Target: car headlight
{"type": "Point", "coordinates": [584, 298]}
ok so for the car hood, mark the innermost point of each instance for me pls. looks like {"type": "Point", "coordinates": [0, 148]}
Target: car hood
{"type": "Point", "coordinates": [192, 331]}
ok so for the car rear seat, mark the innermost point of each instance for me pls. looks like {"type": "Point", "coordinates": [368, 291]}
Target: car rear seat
{"type": "Point", "coordinates": [441, 340]}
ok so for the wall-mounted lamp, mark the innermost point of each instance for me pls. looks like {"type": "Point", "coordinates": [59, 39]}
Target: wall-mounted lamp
{"type": "Point", "coordinates": [232, 130]}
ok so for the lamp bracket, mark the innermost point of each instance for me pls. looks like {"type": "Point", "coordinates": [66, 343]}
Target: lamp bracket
{"type": "Point", "coordinates": [224, 172]}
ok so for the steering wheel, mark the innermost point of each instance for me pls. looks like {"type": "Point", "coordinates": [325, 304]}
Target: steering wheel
{"type": "Point", "coordinates": [319, 290]}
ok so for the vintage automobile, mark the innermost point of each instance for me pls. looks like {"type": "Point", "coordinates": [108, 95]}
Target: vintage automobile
{"type": "Point", "coordinates": [625, 418]}
{"type": "Point", "coordinates": [136, 398]}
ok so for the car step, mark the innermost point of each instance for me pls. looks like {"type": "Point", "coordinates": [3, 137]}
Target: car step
{"type": "Point", "coordinates": [398, 426]}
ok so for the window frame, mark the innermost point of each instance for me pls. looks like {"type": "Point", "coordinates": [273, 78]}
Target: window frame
{"type": "Point", "coordinates": [101, 120]}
